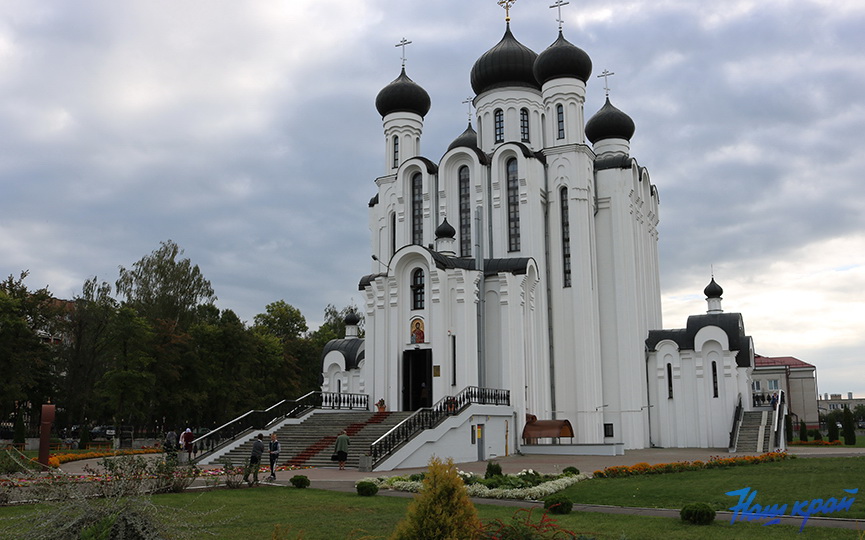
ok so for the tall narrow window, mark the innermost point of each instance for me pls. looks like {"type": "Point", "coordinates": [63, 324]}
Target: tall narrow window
{"type": "Point", "coordinates": [417, 289]}
{"type": "Point", "coordinates": [669, 381]}
{"type": "Point", "coordinates": [566, 238]}
{"type": "Point", "coordinates": [513, 206]}
{"type": "Point", "coordinates": [465, 212]}
{"type": "Point", "coordinates": [417, 209]}
{"type": "Point", "coordinates": [714, 379]}
{"type": "Point", "coordinates": [453, 360]}
{"type": "Point", "coordinates": [395, 152]}
{"type": "Point", "coordinates": [499, 119]}
{"type": "Point", "coordinates": [524, 125]}
{"type": "Point", "coordinates": [560, 121]}
{"type": "Point", "coordinates": [392, 233]}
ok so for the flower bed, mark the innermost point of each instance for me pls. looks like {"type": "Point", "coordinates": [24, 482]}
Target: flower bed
{"type": "Point", "coordinates": [714, 462]}
{"type": "Point", "coordinates": [816, 443]}
{"type": "Point", "coordinates": [526, 484]}
{"type": "Point", "coordinates": [76, 456]}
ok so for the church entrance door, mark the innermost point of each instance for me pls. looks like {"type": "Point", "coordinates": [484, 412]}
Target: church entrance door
{"type": "Point", "coordinates": [416, 379]}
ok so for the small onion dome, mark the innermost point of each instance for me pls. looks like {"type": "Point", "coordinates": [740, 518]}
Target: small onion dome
{"type": "Point", "coordinates": [509, 63]}
{"type": "Point", "coordinates": [351, 319]}
{"type": "Point", "coordinates": [468, 138]}
{"type": "Point", "coordinates": [713, 290]}
{"type": "Point", "coordinates": [562, 59]}
{"type": "Point", "coordinates": [402, 95]}
{"type": "Point", "coordinates": [445, 230]}
{"type": "Point", "coordinates": [609, 123]}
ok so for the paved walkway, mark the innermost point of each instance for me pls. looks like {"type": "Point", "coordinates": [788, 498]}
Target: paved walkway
{"type": "Point", "coordinates": [331, 478]}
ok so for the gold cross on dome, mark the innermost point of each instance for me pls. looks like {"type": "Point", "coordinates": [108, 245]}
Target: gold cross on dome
{"type": "Point", "coordinates": [507, 5]}
{"type": "Point", "coordinates": [559, 4]}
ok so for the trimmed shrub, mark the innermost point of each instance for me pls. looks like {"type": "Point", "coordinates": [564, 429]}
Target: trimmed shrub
{"type": "Point", "coordinates": [416, 477]}
{"type": "Point", "coordinates": [366, 489]}
{"type": "Point", "coordinates": [697, 514]}
{"type": "Point", "coordinates": [849, 427]}
{"type": "Point", "coordinates": [558, 504]}
{"type": "Point", "coordinates": [571, 470]}
{"type": "Point", "coordinates": [443, 509]}
{"type": "Point", "coordinates": [493, 469]}
{"type": "Point", "coordinates": [817, 435]}
{"type": "Point", "coordinates": [803, 431]}
{"type": "Point", "coordinates": [788, 427]}
{"type": "Point", "coordinates": [833, 431]}
{"type": "Point", "coordinates": [299, 481]}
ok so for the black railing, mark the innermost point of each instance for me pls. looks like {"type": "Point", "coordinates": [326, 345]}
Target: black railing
{"type": "Point", "coordinates": [287, 408]}
{"type": "Point", "coordinates": [778, 422]}
{"type": "Point", "coordinates": [430, 417]}
{"type": "Point", "coordinates": [737, 416]}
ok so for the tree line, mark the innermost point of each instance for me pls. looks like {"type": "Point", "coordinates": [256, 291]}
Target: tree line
{"type": "Point", "coordinates": [153, 351]}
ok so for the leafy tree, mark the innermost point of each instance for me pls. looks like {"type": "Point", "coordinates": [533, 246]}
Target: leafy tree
{"type": "Point", "coordinates": [859, 412]}
{"type": "Point", "coordinates": [162, 287]}
{"type": "Point", "coordinates": [282, 320]}
{"type": "Point", "coordinates": [443, 509]}
{"type": "Point", "coordinates": [286, 323]}
{"type": "Point", "coordinates": [848, 426]}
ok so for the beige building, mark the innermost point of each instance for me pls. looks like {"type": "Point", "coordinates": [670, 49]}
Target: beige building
{"type": "Point", "coordinates": [796, 378]}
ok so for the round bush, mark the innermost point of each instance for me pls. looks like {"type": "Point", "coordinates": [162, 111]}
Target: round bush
{"type": "Point", "coordinates": [697, 513]}
{"type": "Point", "coordinates": [299, 481]}
{"type": "Point", "coordinates": [366, 489]}
{"type": "Point", "coordinates": [493, 469]}
{"type": "Point", "coordinates": [558, 504]}
{"type": "Point", "coordinates": [571, 470]}
{"type": "Point", "coordinates": [417, 477]}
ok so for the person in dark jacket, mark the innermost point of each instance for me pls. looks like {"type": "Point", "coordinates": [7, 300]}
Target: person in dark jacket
{"type": "Point", "coordinates": [254, 460]}
{"type": "Point", "coordinates": [341, 449]}
{"type": "Point", "coordinates": [274, 455]}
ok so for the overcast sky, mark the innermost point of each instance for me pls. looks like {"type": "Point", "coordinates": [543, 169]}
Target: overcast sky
{"type": "Point", "coordinates": [246, 132]}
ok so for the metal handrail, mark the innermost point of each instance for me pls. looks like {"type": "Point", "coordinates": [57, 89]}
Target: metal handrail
{"type": "Point", "coordinates": [287, 408]}
{"type": "Point", "coordinates": [429, 417]}
{"type": "Point", "coordinates": [737, 413]}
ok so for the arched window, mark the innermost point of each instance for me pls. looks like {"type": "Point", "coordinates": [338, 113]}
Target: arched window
{"type": "Point", "coordinates": [513, 206]}
{"type": "Point", "coordinates": [465, 212]}
{"type": "Point", "coordinates": [392, 233]}
{"type": "Point", "coordinates": [499, 121]}
{"type": "Point", "coordinates": [417, 209]}
{"type": "Point", "coordinates": [395, 152]}
{"type": "Point", "coordinates": [714, 379]}
{"type": "Point", "coordinates": [669, 381]}
{"type": "Point", "coordinates": [524, 125]}
{"type": "Point", "coordinates": [417, 289]}
{"type": "Point", "coordinates": [560, 121]}
{"type": "Point", "coordinates": [566, 238]}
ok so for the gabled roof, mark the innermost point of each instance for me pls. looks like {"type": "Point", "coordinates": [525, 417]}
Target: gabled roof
{"type": "Point", "coordinates": [767, 361]}
{"type": "Point", "coordinates": [730, 323]}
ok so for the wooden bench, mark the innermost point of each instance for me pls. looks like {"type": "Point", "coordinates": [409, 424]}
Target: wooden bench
{"type": "Point", "coordinates": [100, 446]}
{"type": "Point", "coordinates": [18, 446]}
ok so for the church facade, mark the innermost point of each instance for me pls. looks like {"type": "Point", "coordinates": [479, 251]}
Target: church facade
{"type": "Point", "coordinates": [525, 258]}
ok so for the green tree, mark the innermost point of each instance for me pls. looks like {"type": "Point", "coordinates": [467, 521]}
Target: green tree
{"type": "Point", "coordinates": [288, 325]}
{"type": "Point", "coordinates": [848, 426]}
{"type": "Point", "coordinates": [163, 287]}
{"type": "Point", "coordinates": [803, 431]}
{"type": "Point", "coordinates": [832, 427]}
{"type": "Point", "coordinates": [443, 509]}
{"type": "Point", "coordinates": [859, 412]}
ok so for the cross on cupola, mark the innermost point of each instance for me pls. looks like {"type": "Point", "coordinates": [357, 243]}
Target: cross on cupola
{"type": "Point", "coordinates": [606, 75]}
{"type": "Point", "coordinates": [469, 102]}
{"type": "Point", "coordinates": [558, 5]}
{"type": "Point", "coordinates": [507, 5]}
{"type": "Point", "coordinates": [403, 42]}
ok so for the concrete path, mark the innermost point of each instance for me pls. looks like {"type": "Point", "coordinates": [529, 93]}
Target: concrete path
{"type": "Point", "coordinates": [331, 478]}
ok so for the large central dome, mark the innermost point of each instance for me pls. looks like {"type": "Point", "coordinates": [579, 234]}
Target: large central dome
{"type": "Point", "coordinates": [509, 63]}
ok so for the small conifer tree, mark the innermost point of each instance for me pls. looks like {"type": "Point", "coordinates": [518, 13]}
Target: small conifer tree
{"type": "Point", "coordinates": [788, 428]}
{"type": "Point", "coordinates": [833, 430]}
{"type": "Point", "coordinates": [803, 431]}
{"type": "Point", "coordinates": [848, 424]}
{"type": "Point", "coordinates": [443, 509]}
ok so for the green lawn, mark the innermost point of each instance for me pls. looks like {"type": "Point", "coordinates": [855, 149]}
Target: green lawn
{"type": "Point", "coordinates": [780, 482]}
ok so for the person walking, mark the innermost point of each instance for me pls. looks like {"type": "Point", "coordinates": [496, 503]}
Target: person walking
{"type": "Point", "coordinates": [254, 460]}
{"type": "Point", "coordinates": [341, 449]}
{"type": "Point", "coordinates": [186, 443]}
{"type": "Point", "coordinates": [274, 455]}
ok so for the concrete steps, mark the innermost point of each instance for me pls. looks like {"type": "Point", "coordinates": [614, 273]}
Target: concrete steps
{"type": "Point", "coordinates": [754, 432]}
{"type": "Point", "coordinates": [311, 442]}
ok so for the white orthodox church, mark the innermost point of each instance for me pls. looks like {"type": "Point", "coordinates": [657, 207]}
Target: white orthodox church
{"type": "Point", "coordinates": [526, 259]}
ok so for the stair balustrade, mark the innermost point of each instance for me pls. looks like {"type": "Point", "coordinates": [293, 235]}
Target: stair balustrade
{"type": "Point", "coordinates": [734, 432]}
{"type": "Point", "coordinates": [429, 417]}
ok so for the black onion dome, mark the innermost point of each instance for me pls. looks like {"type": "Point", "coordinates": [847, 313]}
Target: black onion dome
{"type": "Point", "coordinates": [713, 290]}
{"type": "Point", "coordinates": [562, 59]}
{"type": "Point", "coordinates": [445, 230]}
{"type": "Point", "coordinates": [351, 319]}
{"type": "Point", "coordinates": [468, 138]}
{"type": "Point", "coordinates": [609, 123]}
{"type": "Point", "coordinates": [509, 63]}
{"type": "Point", "coordinates": [402, 95]}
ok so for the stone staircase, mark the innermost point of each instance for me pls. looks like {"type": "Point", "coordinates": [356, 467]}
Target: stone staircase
{"type": "Point", "coordinates": [310, 443]}
{"type": "Point", "coordinates": [755, 432]}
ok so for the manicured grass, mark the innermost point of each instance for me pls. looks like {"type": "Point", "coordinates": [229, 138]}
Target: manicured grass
{"type": "Point", "coordinates": [782, 482]}
{"type": "Point", "coordinates": [315, 514]}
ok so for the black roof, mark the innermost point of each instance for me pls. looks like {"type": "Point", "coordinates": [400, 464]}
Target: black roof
{"type": "Point", "coordinates": [609, 123]}
{"type": "Point", "coordinates": [350, 350]}
{"type": "Point", "coordinates": [731, 323]}
{"type": "Point", "coordinates": [508, 63]}
{"type": "Point", "coordinates": [402, 95]}
{"type": "Point", "coordinates": [562, 59]}
{"type": "Point", "coordinates": [516, 266]}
